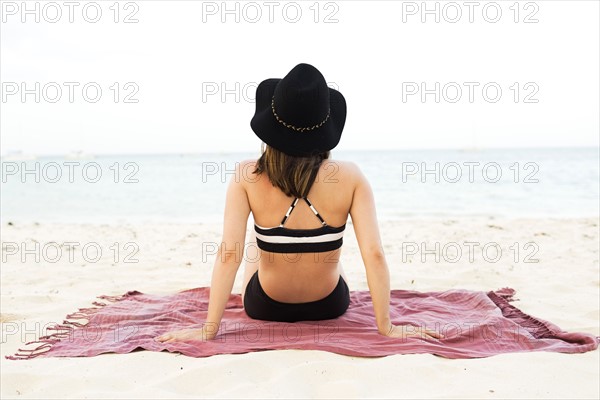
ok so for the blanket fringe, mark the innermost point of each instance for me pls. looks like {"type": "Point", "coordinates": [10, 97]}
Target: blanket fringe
{"type": "Point", "coordinates": [65, 330]}
{"type": "Point", "coordinates": [537, 328]}
{"type": "Point", "coordinates": [26, 354]}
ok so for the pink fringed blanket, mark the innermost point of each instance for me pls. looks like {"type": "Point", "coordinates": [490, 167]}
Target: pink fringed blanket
{"type": "Point", "coordinates": [475, 324]}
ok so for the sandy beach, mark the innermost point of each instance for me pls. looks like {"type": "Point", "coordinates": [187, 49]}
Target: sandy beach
{"type": "Point", "coordinates": [475, 125]}
{"type": "Point", "coordinates": [553, 264]}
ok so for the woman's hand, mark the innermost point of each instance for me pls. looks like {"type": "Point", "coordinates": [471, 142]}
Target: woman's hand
{"type": "Point", "coordinates": [204, 333]}
{"type": "Point", "coordinates": [405, 331]}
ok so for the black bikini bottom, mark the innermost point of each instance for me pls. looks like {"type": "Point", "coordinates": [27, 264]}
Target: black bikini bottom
{"type": "Point", "coordinates": [260, 306]}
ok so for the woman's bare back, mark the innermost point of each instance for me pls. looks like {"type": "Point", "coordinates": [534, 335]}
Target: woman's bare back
{"type": "Point", "coordinates": [300, 277]}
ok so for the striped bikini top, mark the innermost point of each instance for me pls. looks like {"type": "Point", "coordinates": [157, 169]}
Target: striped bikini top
{"type": "Point", "coordinates": [280, 239]}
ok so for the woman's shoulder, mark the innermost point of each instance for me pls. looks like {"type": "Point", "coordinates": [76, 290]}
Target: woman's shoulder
{"type": "Point", "coordinates": [343, 169]}
{"type": "Point", "coordinates": [348, 166]}
{"type": "Point", "coordinates": [244, 170]}
{"type": "Point", "coordinates": [246, 164]}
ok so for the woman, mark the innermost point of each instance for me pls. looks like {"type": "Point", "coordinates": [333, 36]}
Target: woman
{"type": "Point", "coordinates": [298, 275]}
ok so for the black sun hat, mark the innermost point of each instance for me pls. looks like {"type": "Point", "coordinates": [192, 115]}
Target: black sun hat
{"type": "Point", "coordinates": [299, 114]}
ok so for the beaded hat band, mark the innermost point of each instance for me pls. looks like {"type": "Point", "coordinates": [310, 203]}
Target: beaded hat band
{"type": "Point", "coordinates": [299, 129]}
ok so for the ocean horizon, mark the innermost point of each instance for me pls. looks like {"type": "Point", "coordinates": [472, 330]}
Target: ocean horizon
{"type": "Point", "coordinates": [520, 182]}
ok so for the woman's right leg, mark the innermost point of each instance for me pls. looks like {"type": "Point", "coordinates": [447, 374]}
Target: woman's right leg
{"type": "Point", "coordinates": [250, 262]}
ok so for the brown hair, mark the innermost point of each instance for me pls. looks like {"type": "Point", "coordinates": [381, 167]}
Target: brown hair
{"type": "Point", "coordinates": [293, 175]}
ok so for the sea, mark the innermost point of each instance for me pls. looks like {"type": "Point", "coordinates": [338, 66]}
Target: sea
{"type": "Point", "coordinates": [191, 188]}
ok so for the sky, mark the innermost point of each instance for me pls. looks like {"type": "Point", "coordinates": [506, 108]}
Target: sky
{"type": "Point", "coordinates": [180, 76]}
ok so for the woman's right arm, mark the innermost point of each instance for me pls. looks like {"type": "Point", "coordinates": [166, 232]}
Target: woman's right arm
{"type": "Point", "coordinates": [364, 219]}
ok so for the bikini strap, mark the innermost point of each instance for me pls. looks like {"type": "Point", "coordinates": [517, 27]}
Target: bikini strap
{"type": "Point", "coordinates": [295, 201]}
{"type": "Point", "coordinates": [289, 211]}
{"type": "Point", "coordinates": [315, 211]}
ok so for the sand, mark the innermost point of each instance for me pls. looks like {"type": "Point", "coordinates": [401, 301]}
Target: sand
{"type": "Point", "coordinates": [563, 286]}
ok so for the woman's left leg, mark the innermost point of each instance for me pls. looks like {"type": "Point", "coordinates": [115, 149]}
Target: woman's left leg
{"type": "Point", "coordinates": [341, 271]}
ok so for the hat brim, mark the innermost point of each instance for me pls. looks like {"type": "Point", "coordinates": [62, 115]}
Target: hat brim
{"type": "Point", "coordinates": [290, 141]}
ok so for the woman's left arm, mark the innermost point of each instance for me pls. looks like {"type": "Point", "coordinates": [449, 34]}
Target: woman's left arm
{"type": "Point", "coordinates": [227, 263]}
